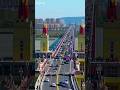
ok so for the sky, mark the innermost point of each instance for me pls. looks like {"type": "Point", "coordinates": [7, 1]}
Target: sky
{"type": "Point", "coordinates": [59, 8]}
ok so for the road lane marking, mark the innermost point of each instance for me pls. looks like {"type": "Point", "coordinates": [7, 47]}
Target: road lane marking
{"type": "Point", "coordinates": [70, 66]}
{"type": "Point", "coordinates": [57, 80]}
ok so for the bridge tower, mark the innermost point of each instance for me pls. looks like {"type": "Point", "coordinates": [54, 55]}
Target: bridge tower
{"type": "Point", "coordinates": [81, 38]}
{"type": "Point", "coordinates": [44, 46]}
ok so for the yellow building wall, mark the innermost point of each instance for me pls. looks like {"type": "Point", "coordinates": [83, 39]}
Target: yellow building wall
{"type": "Point", "coordinates": [44, 47]}
{"type": "Point", "coordinates": [81, 40]}
{"type": "Point", "coordinates": [111, 34]}
{"type": "Point", "coordinates": [112, 82]}
{"type": "Point", "coordinates": [23, 33]}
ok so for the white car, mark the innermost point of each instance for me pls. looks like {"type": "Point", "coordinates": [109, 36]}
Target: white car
{"type": "Point", "coordinates": [46, 80]}
{"type": "Point", "coordinates": [53, 85]}
{"type": "Point", "coordinates": [66, 81]}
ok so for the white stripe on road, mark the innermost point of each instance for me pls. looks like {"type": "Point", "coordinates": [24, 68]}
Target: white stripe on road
{"type": "Point", "coordinates": [70, 66]}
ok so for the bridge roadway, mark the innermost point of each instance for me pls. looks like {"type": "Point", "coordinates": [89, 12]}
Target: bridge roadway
{"type": "Point", "coordinates": [62, 69]}
{"type": "Point", "coordinates": [53, 55]}
{"type": "Point", "coordinates": [62, 73]}
{"type": "Point", "coordinates": [60, 44]}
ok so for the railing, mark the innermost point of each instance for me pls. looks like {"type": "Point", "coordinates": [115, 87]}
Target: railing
{"type": "Point", "coordinates": [73, 83]}
{"type": "Point", "coordinates": [59, 45]}
{"type": "Point", "coordinates": [54, 43]}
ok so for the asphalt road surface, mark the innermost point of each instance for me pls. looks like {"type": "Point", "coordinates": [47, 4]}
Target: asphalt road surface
{"type": "Point", "coordinates": [62, 69]}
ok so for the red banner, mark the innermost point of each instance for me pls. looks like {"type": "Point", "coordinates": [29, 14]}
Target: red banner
{"type": "Point", "coordinates": [23, 10]}
{"type": "Point", "coordinates": [112, 10]}
{"type": "Point", "coordinates": [45, 29]}
{"type": "Point", "coordinates": [81, 30]}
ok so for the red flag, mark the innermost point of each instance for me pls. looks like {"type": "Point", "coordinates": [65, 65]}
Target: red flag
{"type": "Point", "coordinates": [112, 13]}
{"type": "Point", "coordinates": [81, 30]}
{"type": "Point", "coordinates": [23, 10]}
{"type": "Point", "coordinates": [45, 29]}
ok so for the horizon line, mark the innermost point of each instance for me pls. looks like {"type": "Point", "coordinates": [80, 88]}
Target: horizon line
{"type": "Point", "coordinates": [58, 17]}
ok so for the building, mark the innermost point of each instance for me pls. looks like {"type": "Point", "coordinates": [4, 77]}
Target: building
{"type": "Point", "coordinates": [17, 44]}
{"type": "Point", "coordinates": [60, 21]}
{"type": "Point", "coordinates": [39, 20]}
{"type": "Point", "coordinates": [10, 29]}
{"type": "Point", "coordinates": [88, 28]}
{"type": "Point", "coordinates": [55, 24]}
{"type": "Point", "coordinates": [103, 48]}
{"type": "Point", "coordinates": [17, 47]}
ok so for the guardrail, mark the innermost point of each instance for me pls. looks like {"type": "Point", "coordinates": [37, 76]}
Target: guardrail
{"type": "Point", "coordinates": [59, 45]}
{"type": "Point", "coordinates": [74, 85]}
{"type": "Point", "coordinates": [54, 43]}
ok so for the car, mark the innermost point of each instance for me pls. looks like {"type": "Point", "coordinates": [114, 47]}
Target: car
{"type": "Point", "coordinates": [53, 74]}
{"type": "Point", "coordinates": [66, 81]}
{"type": "Point", "coordinates": [47, 74]}
{"type": "Point", "coordinates": [54, 68]}
{"type": "Point", "coordinates": [63, 84]}
{"type": "Point", "coordinates": [51, 66]}
{"type": "Point", "coordinates": [57, 65]}
{"type": "Point", "coordinates": [66, 62]}
{"type": "Point", "coordinates": [46, 80]}
{"type": "Point", "coordinates": [53, 85]}
{"type": "Point", "coordinates": [62, 63]}
{"type": "Point", "coordinates": [60, 73]}
{"type": "Point", "coordinates": [37, 88]}
{"type": "Point", "coordinates": [57, 57]}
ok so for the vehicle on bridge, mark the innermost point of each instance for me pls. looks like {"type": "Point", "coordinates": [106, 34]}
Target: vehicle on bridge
{"type": "Point", "coordinates": [67, 58]}
{"type": "Point", "coordinates": [63, 84]}
{"type": "Point", "coordinates": [66, 81]}
{"type": "Point", "coordinates": [54, 68]}
{"type": "Point", "coordinates": [53, 85]}
{"type": "Point", "coordinates": [46, 80]}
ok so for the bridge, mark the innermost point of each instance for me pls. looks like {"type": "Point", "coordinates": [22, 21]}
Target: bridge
{"type": "Point", "coordinates": [59, 45]}
{"type": "Point", "coordinates": [53, 48]}
{"type": "Point", "coordinates": [54, 44]}
{"type": "Point", "coordinates": [63, 71]}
